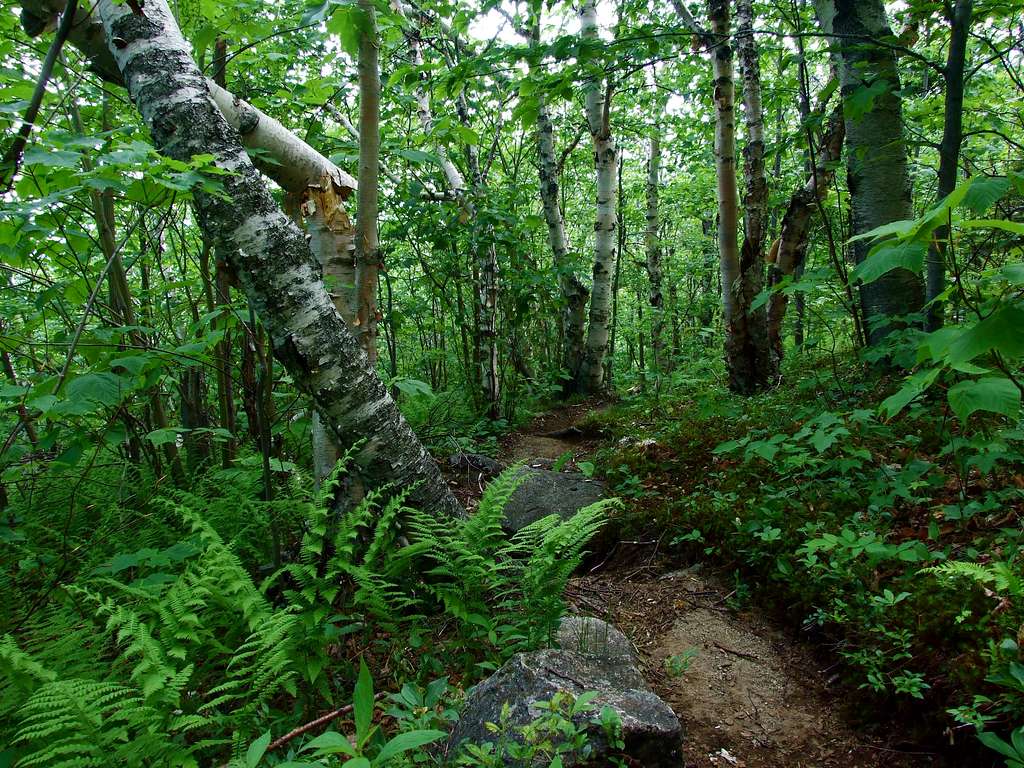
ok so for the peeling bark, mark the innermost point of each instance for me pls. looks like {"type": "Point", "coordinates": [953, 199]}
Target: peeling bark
{"type": "Point", "coordinates": [793, 237]}
{"type": "Point", "coordinates": [292, 162]}
{"type": "Point", "coordinates": [271, 257]}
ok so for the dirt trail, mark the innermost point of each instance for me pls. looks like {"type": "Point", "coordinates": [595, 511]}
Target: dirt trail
{"type": "Point", "coordinates": [747, 696]}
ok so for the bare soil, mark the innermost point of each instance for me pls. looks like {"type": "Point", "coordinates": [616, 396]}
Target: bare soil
{"type": "Point", "coordinates": [748, 694]}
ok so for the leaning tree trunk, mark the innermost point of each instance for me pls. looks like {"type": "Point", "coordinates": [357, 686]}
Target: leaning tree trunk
{"type": "Point", "coordinates": [652, 245]}
{"type": "Point", "coordinates": [793, 237]}
{"type": "Point", "coordinates": [876, 155]}
{"type": "Point", "coordinates": [573, 293]}
{"type": "Point", "coordinates": [270, 255]}
{"type": "Point", "coordinates": [949, 153]}
{"type": "Point", "coordinates": [598, 107]}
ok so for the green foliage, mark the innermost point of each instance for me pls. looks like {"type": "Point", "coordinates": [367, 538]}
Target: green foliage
{"type": "Point", "coordinates": [566, 728]}
{"type": "Point", "coordinates": [177, 655]}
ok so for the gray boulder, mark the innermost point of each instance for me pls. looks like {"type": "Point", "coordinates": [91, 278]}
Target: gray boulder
{"type": "Point", "coordinates": [546, 493]}
{"type": "Point", "coordinates": [591, 656]}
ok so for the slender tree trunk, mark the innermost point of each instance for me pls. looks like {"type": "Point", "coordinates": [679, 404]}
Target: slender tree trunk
{"type": "Point", "coordinates": [652, 243]}
{"type": "Point", "coordinates": [573, 293]}
{"type": "Point", "coordinates": [750, 362]}
{"type": "Point", "coordinates": [271, 257]}
{"type": "Point", "coordinates": [598, 107]}
{"type": "Point", "coordinates": [620, 203]}
{"type": "Point", "coordinates": [949, 152]}
{"type": "Point", "coordinates": [367, 246]}
{"type": "Point", "coordinates": [876, 156]}
{"type": "Point", "coordinates": [733, 313]}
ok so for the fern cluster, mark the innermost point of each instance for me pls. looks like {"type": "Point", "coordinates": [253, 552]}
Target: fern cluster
{"type": "Point", "coordinates": [177, 654]}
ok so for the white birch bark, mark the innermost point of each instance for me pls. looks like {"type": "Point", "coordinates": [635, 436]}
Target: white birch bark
{"type": "Point", "coordinates": [573, 293]}
{"type": "Point", "coordinates": [598, 110]}
{"type": "Point", "coordinates": [295, 164]}
{"type": "Point", "coordinates": [270, 255]}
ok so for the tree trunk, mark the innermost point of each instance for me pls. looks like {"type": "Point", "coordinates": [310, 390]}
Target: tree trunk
{"type": "Point", "coordinates": [573, 293]}
{"type": "Point", "coordinates": [367, 246]}
{"type": "Point", "coordinates": [793, 236]}
{"type": "Point", "coordinates": [949, 153]}
{"type": "Point", "coordinates": [876, 155]}
{"type": "Point", "coordinates": [749, 360]}
{"type": "Point", "coordinates": [652, 244]}
{"type": "Point", "coordinates": [599, 121]}
{"type": "Point", "coordinates": [733, 313]}
{"type": "Point", "coordinates": [270, 256]}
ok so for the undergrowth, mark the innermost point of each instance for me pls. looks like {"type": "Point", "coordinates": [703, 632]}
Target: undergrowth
{"type": "Point", "coordinates": [893, 541]}
{"type": "Point", "coordinates": [161, 632]}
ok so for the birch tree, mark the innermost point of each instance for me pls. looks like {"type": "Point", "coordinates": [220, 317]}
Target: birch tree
{"type": "Point", "coordinates": [598, 109]}
{"type": "Point", "coordinates": [270, 255]}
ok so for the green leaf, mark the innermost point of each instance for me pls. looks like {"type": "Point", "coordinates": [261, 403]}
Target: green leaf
{"type": "Point", "coordinates": [362, 703]}
{"type": "Point", "coordinates": [916, 384]}
{"type": "Point", "coordinates": [357, 762]}
{"type": "Point", "coordinates": [330, 743]}
{"type": "Point", "coordinates": [256, 750]}
{"type": "Point", "coordinates": [404, 742]}
{"type": "Point", "coordinates": [862, 100]}
{"type": "Point", "coordinates": [1015, 227]}
{"type": "Point", "coordinates": [164, 436]}
{"type": "Point", "coordinates": [890, 255]}
{"type": "Point", "coordinates": [996, 744]}
{"type": "Point", "coordinates": [999, 332]}
{"type": "Point", "coordinates": [984, 191]}
{"type": "Point", "coordinates": [991, 394]}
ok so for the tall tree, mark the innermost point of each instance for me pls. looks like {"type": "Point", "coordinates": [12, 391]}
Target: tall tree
{"type": "Point", "coordinates": [652, 246]}
{"type": "Point", "coordinates": [959, 16]}
{"type": "Point", "coordinates": [573, 293]}
{"type": "Point", "coordinates": [270, 255]}
{"type": "Point", "coordinates": [876, 150]}
{"type": "Point", "coordinates": [367, 246]}
{"type": "Point", "coordinates": [749, 361]}
{"type": "Point", "coordinates": [598, 109]}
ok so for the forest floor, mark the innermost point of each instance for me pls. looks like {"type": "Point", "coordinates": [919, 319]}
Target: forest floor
{"type": "Point", "coordinates": [747, 692]}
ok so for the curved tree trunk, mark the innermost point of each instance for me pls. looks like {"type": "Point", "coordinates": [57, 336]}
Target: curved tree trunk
{"type": "Point", "coordinates": [270, 256]}
{"type": "Point", "coordinates": [876, 156]}
{"type": "Point", "coordinates": [793, 237]}
{"type": "Point", "coordinates": [591, 376]}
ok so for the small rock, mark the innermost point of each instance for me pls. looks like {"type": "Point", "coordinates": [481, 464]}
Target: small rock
{"type": "Point", "coordinates": [476, 463]}
{"type": "Point", "coordinates": [591, 656]}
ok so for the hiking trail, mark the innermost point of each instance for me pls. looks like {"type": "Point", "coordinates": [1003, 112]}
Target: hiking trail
{"type": "Point", "coordinates": [747, 693]}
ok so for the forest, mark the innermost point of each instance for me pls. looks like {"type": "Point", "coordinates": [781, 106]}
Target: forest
{"type": "Point", "coordinates": [494, 383]}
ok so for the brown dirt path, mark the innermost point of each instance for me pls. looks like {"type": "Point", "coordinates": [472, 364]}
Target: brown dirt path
{"type": "Point", "coordinates": [747, 695]}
